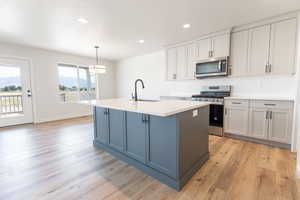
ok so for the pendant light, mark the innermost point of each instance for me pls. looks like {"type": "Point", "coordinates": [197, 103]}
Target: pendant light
{"type": "Point", "coordinates": [97, 68]}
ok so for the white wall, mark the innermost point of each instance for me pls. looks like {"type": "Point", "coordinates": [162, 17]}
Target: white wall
{"type": "Point", "coordinates": [151, 68]}
{"type": "Point", "coordinates": [44, 78]}
{"type": "Point", "coordinates": [297, 107]}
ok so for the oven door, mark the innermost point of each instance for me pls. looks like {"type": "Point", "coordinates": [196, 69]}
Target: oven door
{"type": "Point", "coordinates": [211, 68]}
{"type": "Point", "coordinates": [216, 115]}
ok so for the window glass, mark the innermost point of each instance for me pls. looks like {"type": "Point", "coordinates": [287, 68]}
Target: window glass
{"type": "Point", "coordinates": [74, 83]}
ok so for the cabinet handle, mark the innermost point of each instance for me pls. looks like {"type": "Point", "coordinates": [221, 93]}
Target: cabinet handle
{"type": "Point", "coordinates": [270, 68]}
{"type": "Point", "coordinates": [266, 68]}
{"type": "Point", "coordinates": [270, 104]}
{"type": "Point", "coordinates": [146, 119]}
{"type": "Point", "coordinates": [174, 76]}
{"type": "Point", "coordinates": [143, 118]}
{"type": "Point", "coordinates": [225, 111]}
{"type": "Point", "coordinates": [212, 53]}
{"type": "Point", "coordinates": [267, 115]}
{"type": "Point", "coordinates": [236, 103]}
{"type": "Point", "coordinates": [209, 54]}
{"type": "Point", "coordinates": [271, 114]}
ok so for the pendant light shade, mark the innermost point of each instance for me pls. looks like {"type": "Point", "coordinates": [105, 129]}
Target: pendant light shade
{"type": "Point", "coordinates": [97, 68]}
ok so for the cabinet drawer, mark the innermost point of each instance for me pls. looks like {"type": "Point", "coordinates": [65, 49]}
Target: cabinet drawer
{"type": "Point", "coordinates": [271, 104]}
{"type": "Point", "coordinates": [236, 103]}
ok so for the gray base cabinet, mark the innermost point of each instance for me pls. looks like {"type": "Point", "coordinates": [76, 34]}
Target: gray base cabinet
{"type": "Point", "coordinates": [170, 149]}
{"type": "Point", "coordinates": [135, 136]}
{"type": "Point", "coordinates": [270, 121]}
{"type": "Point", "coordinates": [116, 133]}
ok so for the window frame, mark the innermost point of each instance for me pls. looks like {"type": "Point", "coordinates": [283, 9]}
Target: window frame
{"type": "Point", "coordinates": [77, 67]}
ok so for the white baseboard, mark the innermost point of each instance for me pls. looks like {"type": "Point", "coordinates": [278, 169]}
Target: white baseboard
{"type": "Point", "coordinates": [62, 117]}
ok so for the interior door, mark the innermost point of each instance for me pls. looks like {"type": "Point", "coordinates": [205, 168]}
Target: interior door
{"type": "Point", "coordinates": [15, 92]}
{"type": "Point", "coordinates": [258, 56]}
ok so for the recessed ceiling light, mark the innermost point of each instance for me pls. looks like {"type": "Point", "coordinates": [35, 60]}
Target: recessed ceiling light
{"type": "Point", "coordinates": [82, 20]}
{"type": "Point", "coordinates": [141, 41]}
{"type": "Point", "coordinates": [186, 26]}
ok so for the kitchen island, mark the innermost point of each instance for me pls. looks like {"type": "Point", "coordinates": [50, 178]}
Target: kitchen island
{"type": "Point", "coordinates": [166, 139]}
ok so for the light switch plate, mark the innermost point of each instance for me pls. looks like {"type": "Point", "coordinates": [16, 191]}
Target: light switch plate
{"type": "Point", "coordinates": [195, 113]}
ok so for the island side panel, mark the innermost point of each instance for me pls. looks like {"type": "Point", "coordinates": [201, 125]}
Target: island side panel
{"type": "Point", "coordinates": [193, 128]}
{"type": "Point", "coordinates": [162, 153]}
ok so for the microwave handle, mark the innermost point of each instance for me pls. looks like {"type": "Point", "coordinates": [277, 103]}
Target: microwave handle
{"type": "Point", "coordinates": [220, 65]}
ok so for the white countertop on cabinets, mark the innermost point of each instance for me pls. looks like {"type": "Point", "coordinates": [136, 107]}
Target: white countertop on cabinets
{"type": "Point", "coordinates": [162, 108]}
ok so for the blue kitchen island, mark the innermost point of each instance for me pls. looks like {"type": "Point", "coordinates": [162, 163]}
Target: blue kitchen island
{"type": "Point", "coordinates": [166, 139]}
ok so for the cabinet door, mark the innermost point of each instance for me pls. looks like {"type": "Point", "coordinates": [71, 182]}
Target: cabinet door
{"type": "Point", "coordinates": [239, 53]}
{"type": "Point", "coordinates": [280, 126]}
{"type": "Point", "coordinates": [192, 53]}
{"type": "Point", "coordinates": [236, 120]}
{"type": "Point", "coordinates": [258, 127]}
{"type": "Point", "coordinates": [182, 68]}
{"type": "Point", "coordinates": [220, 45]}
{"type": "Point", "coordinates": [116, 129]}
{"type": "Point", "coordinates": [283, 47]}
{"type": "Point", "coordinates": [171, 64]}
{"type": "Point", "coordinates": [101, 125]}
{"type": "Point", "coordinates": [162, 145]}
{"type": "Point", "coordinates": [258, 56]}
{"type": "Point", "coordinates": [135, 137]}
{"type": "Point", "coordinates": [204, 47]}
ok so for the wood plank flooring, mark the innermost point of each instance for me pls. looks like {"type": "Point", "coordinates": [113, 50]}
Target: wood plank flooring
{"type": "Point", "coordinates": [57, 160]}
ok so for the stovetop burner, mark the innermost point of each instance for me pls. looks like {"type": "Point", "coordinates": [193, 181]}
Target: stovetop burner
{"type": "Point", "coordinates": [213, 94]}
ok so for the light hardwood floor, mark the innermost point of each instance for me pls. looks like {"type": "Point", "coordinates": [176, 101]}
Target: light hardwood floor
{"type": "Point", "coordinates": [57, 160]}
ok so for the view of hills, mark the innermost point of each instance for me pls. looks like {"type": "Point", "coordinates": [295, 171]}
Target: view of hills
{"type": "Point", "coordinates": [66, 81]}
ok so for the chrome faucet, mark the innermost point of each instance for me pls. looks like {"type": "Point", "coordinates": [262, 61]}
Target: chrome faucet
{"type": "Point", "coordinates": [135, 88]}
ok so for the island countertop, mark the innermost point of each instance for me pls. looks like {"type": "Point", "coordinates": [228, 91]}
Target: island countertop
{"type": "Point", "coordinates": [161, 108]}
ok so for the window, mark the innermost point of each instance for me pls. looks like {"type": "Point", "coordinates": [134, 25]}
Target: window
{"type": "Point", "coordinates": [75, 83]}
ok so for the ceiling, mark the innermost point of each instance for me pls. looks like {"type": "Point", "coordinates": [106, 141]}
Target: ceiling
{"type": "Point", "coordinates": [117, 25]}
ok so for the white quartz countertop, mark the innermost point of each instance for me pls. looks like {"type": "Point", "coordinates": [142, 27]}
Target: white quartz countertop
{"type": "Point", "coordinates": [261, 98]}
{"type": "Point", "coordinates": [162, 108]}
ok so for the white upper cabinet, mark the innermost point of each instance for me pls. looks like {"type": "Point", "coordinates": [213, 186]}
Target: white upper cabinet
{"type": "Point", "coordinates": [258, 51]}
{"type": "Point", "coordinates": [214, 47]}
{"type": "Point", "coordinates": [283, 47]}
{"type": "Point", "coordinates": [204, 49]}
{"type": "Point", "coordinates": [265, 50]}
{"type": "Point", "coordinates": [220, 46]}
{"type": "Point", "coordinates": [192, 54]}
{"type": "Point", "coordinates": [239, 53]}
{"type": "Point", "coordinates": [171, 63]}
{"type": "Point", "coordinates": [182, 61]}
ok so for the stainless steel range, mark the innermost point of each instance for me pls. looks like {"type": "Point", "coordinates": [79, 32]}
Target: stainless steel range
{"type": "Point", "coordinates": [214, 94]}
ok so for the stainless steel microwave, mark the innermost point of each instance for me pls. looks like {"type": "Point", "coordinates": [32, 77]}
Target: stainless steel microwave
{"type": "Point", "coordinates": [211, 67]}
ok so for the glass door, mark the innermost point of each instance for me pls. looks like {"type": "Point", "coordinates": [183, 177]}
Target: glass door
{"type": "Point", "coordinates": [15, 93]}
